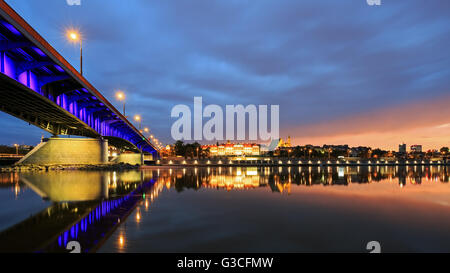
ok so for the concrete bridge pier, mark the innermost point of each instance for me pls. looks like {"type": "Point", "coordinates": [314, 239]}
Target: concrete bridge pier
{"type": "Point", "coordinates": [68, 151]}
{"type": "Point", "coordinates": [129, 158]}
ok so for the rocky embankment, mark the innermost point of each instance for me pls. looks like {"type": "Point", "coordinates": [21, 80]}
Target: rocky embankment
{"type": "Point", "coordinates": [93, 167]}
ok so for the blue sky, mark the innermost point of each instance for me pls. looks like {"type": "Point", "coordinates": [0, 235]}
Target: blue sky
{"type": "Point", "coordinates": [326, 63]}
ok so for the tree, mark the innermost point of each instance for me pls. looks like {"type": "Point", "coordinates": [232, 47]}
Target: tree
{"type": "Point", "coordinates": [378, 153]}
{"type": "Point", "coordinates": [297, 151]}
{"type": "Point", "coordinates": [444, 150]}
{"type": "Point", "coordinates": [205, 153]}
{"type": "Point", "coordinates": [189, 152]}
{"type": "Point", "coordinates": [179, 148]}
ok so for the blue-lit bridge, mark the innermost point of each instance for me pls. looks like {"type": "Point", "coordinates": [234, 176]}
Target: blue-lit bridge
{"type": "Point", "coordinates": [40, 87]}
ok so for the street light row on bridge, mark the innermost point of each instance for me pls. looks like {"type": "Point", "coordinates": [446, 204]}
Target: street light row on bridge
{"type": "Point", "coordinates": [121, 96]}
{"type": "Point", "coordinates": [75, 36]}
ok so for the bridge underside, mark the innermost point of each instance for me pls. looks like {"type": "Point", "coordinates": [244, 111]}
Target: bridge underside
{"type": "Point", "coordinates": [121, 144]}
{"type": "Point", "coordinates": [24, 103]}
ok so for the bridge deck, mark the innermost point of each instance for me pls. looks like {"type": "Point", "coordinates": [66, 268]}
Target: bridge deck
{"type": "Point", "coordinates": [39, 86]}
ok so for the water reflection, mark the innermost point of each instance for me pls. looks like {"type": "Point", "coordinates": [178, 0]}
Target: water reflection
{"type": "Point", "coordinates": [279, 179]}
{"type": "Point", "coordinates": [88, 206]}
{"type": "Point", "coordinates": [95, 201]}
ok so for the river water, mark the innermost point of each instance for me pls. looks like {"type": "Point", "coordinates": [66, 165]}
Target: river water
{"type": "Point", "coordinates": [228, 209]}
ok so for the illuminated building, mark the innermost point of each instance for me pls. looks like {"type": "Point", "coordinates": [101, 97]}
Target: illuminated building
{"type": "Point", "coordinates": [416, 148]}
{"type": "Point", "coordinates": [233, 149]}
{"type": "Point", "coordinates": [285, 144]}
{"type": "Point", "coordinates": [402, 148]}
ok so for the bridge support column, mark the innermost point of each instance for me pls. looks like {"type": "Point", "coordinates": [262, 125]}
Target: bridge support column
{"type": "Point", "coordinates": [104, 150]}
{"type": "Point", "coordinates": [129, 158]}
{"type": "Point", "coordinates": [68, 151]}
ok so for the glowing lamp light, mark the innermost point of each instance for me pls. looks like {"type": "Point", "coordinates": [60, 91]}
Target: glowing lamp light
{"type": "Point", "coordinates": [120, 95]}
{"type": "Point", "coordinates": [121, 241]}
{"type": "Point", "coordinates": [138, 216]}
{"type": "Point", "coordinates": [73, 35]}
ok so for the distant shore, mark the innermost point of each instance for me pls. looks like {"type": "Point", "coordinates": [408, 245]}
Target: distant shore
{"type": "Point", "coordinates": [298, 162]}
{"type": "Point", "coordinates": [211, 162]}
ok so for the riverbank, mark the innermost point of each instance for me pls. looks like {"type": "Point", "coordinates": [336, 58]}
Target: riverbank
{"type": "Point", "coordinates": [275, 162]}
{"type": "Point", "coordinates": [93, 167]}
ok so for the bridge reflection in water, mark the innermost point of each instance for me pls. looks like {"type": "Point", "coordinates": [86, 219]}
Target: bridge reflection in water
{"type": "Point", "coordinates": [87, 206]}
{"type": "Point", "coordinates": [84, 207]}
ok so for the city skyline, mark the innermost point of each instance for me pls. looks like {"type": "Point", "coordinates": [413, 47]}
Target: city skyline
{"type": "Point", "coordinates": [377, 78]}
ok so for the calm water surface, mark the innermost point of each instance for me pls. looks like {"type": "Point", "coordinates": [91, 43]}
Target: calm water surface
{"type": "Point", "coordinates": [247, 209]}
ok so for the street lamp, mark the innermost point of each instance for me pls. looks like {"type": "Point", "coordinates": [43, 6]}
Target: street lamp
{"type": "Point", "coordinates": [17, 148]}
{"type": "Point", "coordinates": [121, 97]}
{"type": "Point", "coordinates": [146, 130]}
{"type": "Point", "coordinates": [74, 36]}
{"type": "Point", "coordinates": [138, 119]}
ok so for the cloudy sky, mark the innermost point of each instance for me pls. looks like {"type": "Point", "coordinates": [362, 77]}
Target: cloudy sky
{"type": "Point", "coordinates": [343, 72]}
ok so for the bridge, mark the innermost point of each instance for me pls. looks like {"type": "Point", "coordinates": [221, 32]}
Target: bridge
{"type": "Point", "coordinates": [40, 87]}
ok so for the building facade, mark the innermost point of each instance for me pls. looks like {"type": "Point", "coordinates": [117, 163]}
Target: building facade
{"type": "Point", "coordinates": [416, 148]}
{"type": "Point", "coordinates": [402, 148]}
{"type": "Point", "coordinates": [233, 149]}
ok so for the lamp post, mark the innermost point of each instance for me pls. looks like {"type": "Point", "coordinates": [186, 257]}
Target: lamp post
{"type": "Point", "coordinates": [74, 36]}
{"type": "Point", "coordinates": [17, 148]}
{"type": "Point", "coordinates": [138, 119]}
{"type": "Point", "coordinates": [120, 96]}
